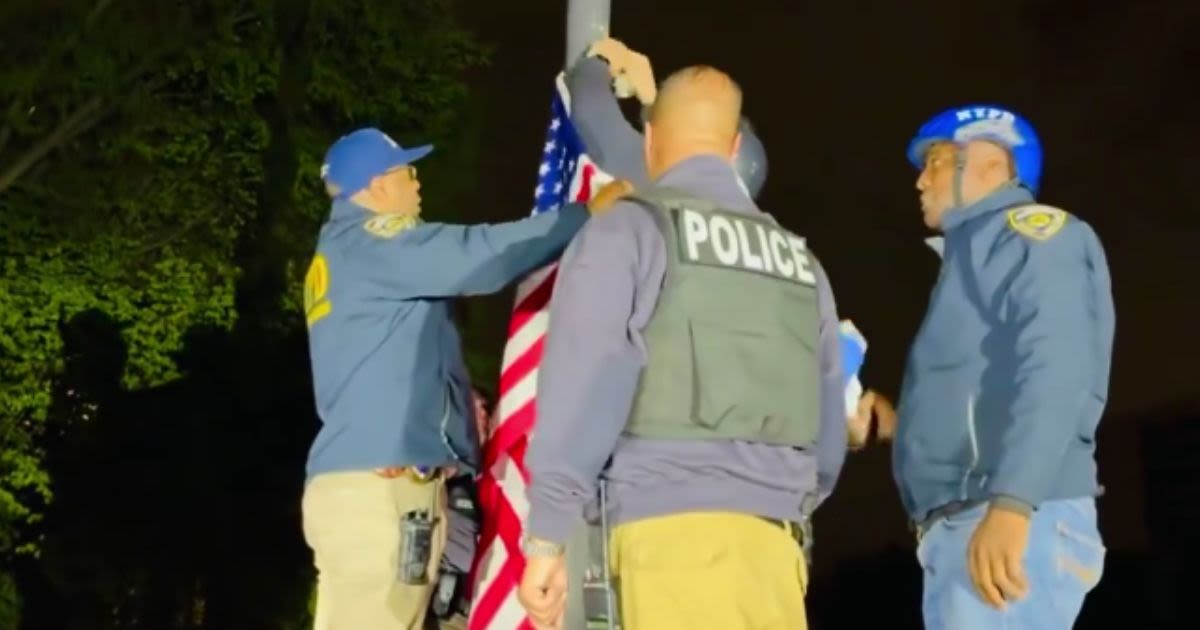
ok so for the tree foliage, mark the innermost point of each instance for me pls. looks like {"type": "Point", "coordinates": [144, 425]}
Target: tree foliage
{"type": "Point", "coordinates": [158, 169]}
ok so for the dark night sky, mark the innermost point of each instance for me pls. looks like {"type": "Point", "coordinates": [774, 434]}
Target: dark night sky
{"type": "Point", "coordinates": [837, 89]}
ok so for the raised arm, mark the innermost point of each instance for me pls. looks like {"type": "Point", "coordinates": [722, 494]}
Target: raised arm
{"type": "Point", "coordinates": [442, 260]}
{"type": "Point", "coordinates": [612, 141]}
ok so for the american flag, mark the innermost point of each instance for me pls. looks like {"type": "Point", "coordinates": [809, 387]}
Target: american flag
{"type": "Point", "coordinates": [565, 174]}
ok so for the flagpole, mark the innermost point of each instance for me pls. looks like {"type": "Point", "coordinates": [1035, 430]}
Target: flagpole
{"type": "Point", "coordinates": [587, 22]}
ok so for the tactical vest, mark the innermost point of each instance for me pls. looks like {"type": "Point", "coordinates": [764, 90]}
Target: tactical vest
{"type": "Point", "coordinates": [732, 344]}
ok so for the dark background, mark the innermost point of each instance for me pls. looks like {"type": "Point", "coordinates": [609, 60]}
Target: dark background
{"type": "Point", "coordinates": [191, 490]}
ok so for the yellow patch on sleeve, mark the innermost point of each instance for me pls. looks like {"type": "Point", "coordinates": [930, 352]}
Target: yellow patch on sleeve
{"type": "Point", "coordinates": [1037, 222]}
{"type": "Point", "coordinates": [316, 287]}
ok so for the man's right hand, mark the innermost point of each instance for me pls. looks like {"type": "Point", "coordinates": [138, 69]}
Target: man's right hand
{"type": "Point", "coordinates": [608, 194]}
{"type": "Point", "coordinates": [543, 590]}
{"type": "Point", "coordinates": [885, 417]}
{"type": "Point", "coordinates": [873, 409]}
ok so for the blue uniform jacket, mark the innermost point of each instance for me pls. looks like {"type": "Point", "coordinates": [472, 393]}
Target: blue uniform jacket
{"type": "Point", "coordinates": [390, 384]}
{"type": "Point", "coordinates": [1007, 378]}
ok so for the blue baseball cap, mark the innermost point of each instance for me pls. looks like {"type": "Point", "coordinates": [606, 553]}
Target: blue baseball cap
{"type": "Point", "coordinates": [358, 157]}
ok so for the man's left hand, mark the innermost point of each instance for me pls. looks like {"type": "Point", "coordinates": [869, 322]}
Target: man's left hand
{"type": "Point", "coordinates": [543, 590]}
{"type": "Point", "coordinates": [995, 556]}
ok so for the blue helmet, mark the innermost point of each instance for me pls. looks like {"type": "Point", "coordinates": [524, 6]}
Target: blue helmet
{"type": "Point", "coordinates": [984, 122]}
{"type": "Point", "coordinates": [751, 159]}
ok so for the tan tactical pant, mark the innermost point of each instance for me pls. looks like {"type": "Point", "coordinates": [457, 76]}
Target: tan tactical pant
{"type": "Point", "coordinates": [352, 523]}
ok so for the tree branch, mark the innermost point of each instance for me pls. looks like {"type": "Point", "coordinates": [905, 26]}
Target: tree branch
{"type": "Point", "coordinates": [61, 47]}
{"type": "Point", "coordinates": [66, 130]}
{"type": "Point", "coordinates": [96, 108]}
{"type": "Point", "coordinates": [196, 220]}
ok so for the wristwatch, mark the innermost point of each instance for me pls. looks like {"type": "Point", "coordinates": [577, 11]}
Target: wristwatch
{"type": "Point", "coordinates": [535, 547]}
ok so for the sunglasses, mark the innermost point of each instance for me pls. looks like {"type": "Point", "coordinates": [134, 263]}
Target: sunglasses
{"type": "Point", "coordinates": [409, 168]}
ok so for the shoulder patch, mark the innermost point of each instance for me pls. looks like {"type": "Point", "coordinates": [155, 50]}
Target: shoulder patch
{"type": "Point", "coordinates": [389, 225]}
{"type": "Point", "coordinates": [1037, 222]}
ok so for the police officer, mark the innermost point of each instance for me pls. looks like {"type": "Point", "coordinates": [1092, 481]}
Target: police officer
{"type": "Point", "coordinates": [610, 70]}
{"type": "Point", "coordinates": [391, 389]}
{"type": "Point", "coordinates": [617, 148]}
{"type": "Point", "coordinates": [694, 342]}
{"type": "Point", "coordinates": [1005, 384]}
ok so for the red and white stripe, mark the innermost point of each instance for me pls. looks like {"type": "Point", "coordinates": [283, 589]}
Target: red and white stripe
{"type": "Point", "coordinates": [502, 487]}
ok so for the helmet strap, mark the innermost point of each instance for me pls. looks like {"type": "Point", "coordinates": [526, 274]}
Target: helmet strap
{"type": "Point", "coordinates": [742, 185]}
{"type": "Point", "coordinates": [960, 165]}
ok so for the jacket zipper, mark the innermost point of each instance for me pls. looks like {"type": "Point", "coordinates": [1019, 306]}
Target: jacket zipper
{"type": "Point", "coordinates": [445, 425]}
{"type": "Point", "coordinates": [974, 441]}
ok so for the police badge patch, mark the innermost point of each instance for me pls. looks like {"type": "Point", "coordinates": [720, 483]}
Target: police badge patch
{"type": "Point", "coordinates": [1037, 222]}
{"type": "Point", "coordinates": [389, 225]}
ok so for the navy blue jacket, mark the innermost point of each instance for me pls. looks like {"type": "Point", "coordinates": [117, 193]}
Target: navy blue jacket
{"type": "Point", "coordinates": [391, 388]}
{"type": "Point", "coordinates": [1008, 376]}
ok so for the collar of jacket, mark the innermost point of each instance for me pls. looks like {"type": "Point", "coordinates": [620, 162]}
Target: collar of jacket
{"type": "Point", "coordinates": [709, 177]}
{"type": "Point", "coordinates": [344, 209]}
{"type": "Point", "coordinates": [1003, 198]}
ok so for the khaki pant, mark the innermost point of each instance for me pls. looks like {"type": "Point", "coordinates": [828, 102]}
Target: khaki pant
{"type": "Point", "coordinates": [352, 523]}
{"type": "Point", "coordinates": [709, 570]}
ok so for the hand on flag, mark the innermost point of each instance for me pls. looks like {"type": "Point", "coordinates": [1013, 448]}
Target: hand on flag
{"type": "Point", "coordinates": [608, 195]}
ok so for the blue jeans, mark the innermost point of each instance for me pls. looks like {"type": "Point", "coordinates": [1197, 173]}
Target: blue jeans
{"type": "Point", "coordinates": [1063, 562]}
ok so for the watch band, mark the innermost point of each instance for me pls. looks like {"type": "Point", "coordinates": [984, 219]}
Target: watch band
{"type": "Point", "coordinates": [534, 547]}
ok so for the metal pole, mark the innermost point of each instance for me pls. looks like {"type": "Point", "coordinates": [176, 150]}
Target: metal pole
{"type": "Point", "coordinates": [587, 22]}
{"type": "Point", "coordinates": [579, 552]}
{"type": "Point", "coordinates": [610, 601]}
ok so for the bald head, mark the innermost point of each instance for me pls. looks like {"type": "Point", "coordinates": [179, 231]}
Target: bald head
{"type": "Point", "coordinates": [696, 113]}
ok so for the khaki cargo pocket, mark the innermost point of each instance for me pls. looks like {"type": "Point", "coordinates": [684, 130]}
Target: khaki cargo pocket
{"type": "Point", "coordinates": [752, 382]}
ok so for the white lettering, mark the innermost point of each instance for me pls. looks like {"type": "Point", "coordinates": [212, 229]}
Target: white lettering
{"type": "Point", "coordinates": [724, 241]}
{"type": "Point", "coordinates": [803, 273]}
{"type": "Point", "coordinates": [984, 113]}
{"type": "Point", "coordinates": [779, 251]}
{"type": "Point", "coordinates": [695, 231]}
{"type": "Point", "coordinates": [749, 258]}
{"type": "Point", "coordinates": [763, 248]}
{"type": "Point", "coordinates": [998, 128]}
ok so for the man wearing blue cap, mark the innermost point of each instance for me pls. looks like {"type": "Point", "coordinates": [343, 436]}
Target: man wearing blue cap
{"type": "Point", "coordinates": [1005, 385]}
{"type": "Point", "coordinates": [390, 385]}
